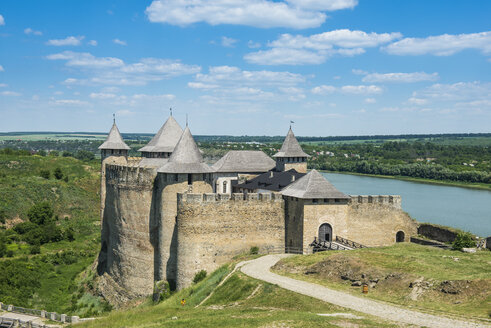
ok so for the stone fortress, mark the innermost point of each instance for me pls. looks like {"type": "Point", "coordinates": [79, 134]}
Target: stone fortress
{"type": "Point", "coordinates": [167, 215]}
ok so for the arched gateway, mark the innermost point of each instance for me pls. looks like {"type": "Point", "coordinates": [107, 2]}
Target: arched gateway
{"type": "Point", "coordinates": [325, 232]}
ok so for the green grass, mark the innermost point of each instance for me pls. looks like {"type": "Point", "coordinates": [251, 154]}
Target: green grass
{"type": "Point", "coordinates": [232, 305]}
{"type": "Point", "coordinates": [51, 281]}
{"type": "Point", "coordinates": [409, 262]}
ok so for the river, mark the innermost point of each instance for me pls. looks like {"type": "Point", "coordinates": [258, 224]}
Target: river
{"type": "Point", "coordinates": [463, 208]}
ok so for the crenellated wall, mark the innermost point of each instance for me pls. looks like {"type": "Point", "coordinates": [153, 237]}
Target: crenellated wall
{"type": "Point", "coordinates": [213, 228]}
{"type": "Point", "coordinates": [369, 220]}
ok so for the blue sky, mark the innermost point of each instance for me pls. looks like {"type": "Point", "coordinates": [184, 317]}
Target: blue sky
{"type": "Point", "coordinates": [334, 67]}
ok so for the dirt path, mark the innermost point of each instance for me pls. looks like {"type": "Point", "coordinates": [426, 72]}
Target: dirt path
{"type": "Point", "coordinates": [259, 269]}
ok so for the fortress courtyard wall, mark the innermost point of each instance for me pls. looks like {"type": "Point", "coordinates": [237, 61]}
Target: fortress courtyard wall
{"type": "Point", "coordinates": [368, 220]}
{"type": "Point", "coordinates": [213, 228]}
{"type": "Point", "coordinates": [167, 188]}
{"type": "Point", "coordinates": [127, 253]}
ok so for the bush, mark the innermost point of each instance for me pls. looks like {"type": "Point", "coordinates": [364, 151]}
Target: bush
{"type": "Point", "coordinates": [54, 153]}
{"type": "Point", "coordinates": [10, 253]}
{"type": "Point", "coordinates": [3, 215]}
{"type": "Point", "coordinates": [24, 227]}
{"type": "Point", "coordinates": [58, 174]}
{"type": "Point", "coordinates": [66, 154]}
{"type": "Point", "coordinates": [3, 247]}
{"type": "Point", "coordinates": [35, 249]}
{"type": "Point", "coordinates": [84, 155]}
{"type": "Point", "coordinates": [199, 276]}
{"type": "Point", "coordinates": [40, 213]}
{"type": "Point", "coordinates": [45, 174]}
{"type": "Point", "coordinates": [463, 240]}
{"type": "Point", "coordinates": [254, 250]}
{"type": "Point", "coordinates": [69, 234]}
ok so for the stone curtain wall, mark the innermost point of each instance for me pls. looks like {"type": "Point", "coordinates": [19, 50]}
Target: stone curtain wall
{"type": "Point", "coordinates": [166, 198]}
{"type": "Point", "coordinates": [368, 220]}
{"type": "Point", "coordinates": [127, 254]}
{"type": "Point", "coordinates": [213, 228]}
{"type": "Point", "coordinates": [294, 225]}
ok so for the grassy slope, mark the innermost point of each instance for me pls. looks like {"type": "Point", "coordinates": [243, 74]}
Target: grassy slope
{"type": "Point", "coordinates": [78, 200]}
{"type": "Point", "coordinates": [231, 305]}
{"type": "Point", "coordinates": [411, 261]}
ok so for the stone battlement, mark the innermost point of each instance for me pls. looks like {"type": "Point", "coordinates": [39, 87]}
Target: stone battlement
{"type": "Point", "coordinates": [394, 200]}
{"type": "Point", "coordinates": [236, 197]}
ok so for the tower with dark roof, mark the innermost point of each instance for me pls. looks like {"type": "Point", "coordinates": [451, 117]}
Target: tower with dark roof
{"type": "Point", "coordinates": [291, 155]}
{"type": "Point", "coordinates": [165, 140]}
{"type": "Point", "coordinates": [114, 144]}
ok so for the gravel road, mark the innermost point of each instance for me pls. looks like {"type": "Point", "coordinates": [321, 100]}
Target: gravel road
{"type": "Point", "coordinates": [259, 269]}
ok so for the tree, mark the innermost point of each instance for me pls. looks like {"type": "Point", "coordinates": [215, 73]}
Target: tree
{"type": "Point", "coordinates": [84, 155]}
{"type": "Point", "coordinates": [3, 215]}
{"type": "Point", "coordinates": [3, 247]}
{"type": "Point", "coordinates": [58, 174]}
{"type": "Point", "coordinates": [54, 153]}
{"type": "Point", "coordinates": [40, 213]}
{"type": "Point", "coordinates": [42, 152]}
{"type": "Point", "coordinates": [45, 174]}
{"type": "Point", "coordinates": [463, 240]}
{"type": "Point", "coordinates": [35, 249]}
{"type": "Point", "coordinates": [70, 234]}
{"type": "Point", "coordinates": [66, 154]}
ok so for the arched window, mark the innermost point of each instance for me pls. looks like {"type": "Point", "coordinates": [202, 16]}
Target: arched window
{"type": "Point", "coordinates": [224, 188]}
{"type": "Point", "coordinates": [400, 237]}
{"type": "Point", "coordinates": [325, 232]}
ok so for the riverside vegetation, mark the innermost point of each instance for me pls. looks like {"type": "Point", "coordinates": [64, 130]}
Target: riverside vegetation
{"type": "Point", "coordinates": [49, 232]}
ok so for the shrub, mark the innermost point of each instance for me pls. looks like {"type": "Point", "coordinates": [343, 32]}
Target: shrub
{"type": "Point", "coordinates": [24, 227]}
{"type": "Point", "coordinates": [161, 291]}
{"type": "Point", "coordinates": [10, 253]}
{"type": "Point", "coordinates": [66, 154]}
{"type": "Point", "coordinates": [45, 174]}
{"type": "Point", "coordinates": [69, 234]}
{"type": "Point", "coordinates": [42, 152]}
{"type": "Point", "coordinates": [40, 213]}
{"type": "Point", "coordinates": [58, 174]}
{"type": "Point", "coordinates": [254, 250]}
{"type": "Point", "coordinates": [199, 276]}
{"type": "Point", "coordinates": [463, 240]}
{"type": "Point", "coordinates": [3, 215]}
{"type": "Point", "coordinates": [3, 247]}
{"type": "Point", "coordinates": [35, 249]}
{"type": "Point", "coordinates": [54, 153]}
{"type": "Point", "coordinates": [84, 155]}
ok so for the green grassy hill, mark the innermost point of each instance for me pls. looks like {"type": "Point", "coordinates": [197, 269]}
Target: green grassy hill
{"type": "Point", "coordinates": [53, 279]}
{"type": "Point", "coordinates": [421, 277]}
{"type": "Point", "coordinates": [240, 302]}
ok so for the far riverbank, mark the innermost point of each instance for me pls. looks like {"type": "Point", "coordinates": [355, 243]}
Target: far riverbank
{"type": "Point", "coordinates": [480, 186]}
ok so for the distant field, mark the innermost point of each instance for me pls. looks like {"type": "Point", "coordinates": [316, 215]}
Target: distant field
{"type": "Point", "coordinates": [478, 139]}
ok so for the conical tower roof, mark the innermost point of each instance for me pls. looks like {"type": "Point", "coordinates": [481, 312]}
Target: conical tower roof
{"type": "Point", "coordinates": [313, 185]}
{"type": "Point", "coordinates": [165, 140]}
{"type": "Point", "coordinates": [114, 140]}
{"type": "Point", "coordinates": [290, 147]}
{"type": "Point", "coordinates": [186, 157]}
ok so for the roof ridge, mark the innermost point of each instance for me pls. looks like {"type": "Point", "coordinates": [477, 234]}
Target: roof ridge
{"type": "Point", "coordinates": [166, 138]}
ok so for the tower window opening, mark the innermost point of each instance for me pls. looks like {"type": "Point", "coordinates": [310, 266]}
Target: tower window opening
{"type": "Point", "coordinates": [190, 179]}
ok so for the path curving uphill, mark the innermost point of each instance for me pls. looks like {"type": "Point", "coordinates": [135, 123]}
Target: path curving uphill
{"type": "Point", "coordinates": [260, 269]}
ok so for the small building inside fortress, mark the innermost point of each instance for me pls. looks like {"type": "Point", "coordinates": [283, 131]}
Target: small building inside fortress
{"type": "Point", "coordinates": [167, 214]}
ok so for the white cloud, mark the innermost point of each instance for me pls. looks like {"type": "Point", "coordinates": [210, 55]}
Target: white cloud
{"type": "Point", "coordinates": [85, 59]}
{"type": "Point", "coordinates": [120, 42]}
{"type": "Point", "coordinates": [154, 97]}
{"type": "Point", "coordinates": [442, 45]}
{"type": "Point", "coordinates": [2, 69]}
{"type": "Point", "coordinates": [291, 49]}
{"type": "Point", "coordinates": [417, 101]}
{"type": "Point", "coordinates": [258, 13]}
{"type": "Point", "coordinates": [228, 42]}
{"type": "Point", "coordinates": [3, 85]}
{"type": "Point", "coordinates": [124, 112]}
{"type": "Point", "coordinates": [400, 77]}
{"type": "Point", "coordinates": [2, 20]}
{"type": "Point", "coordinates": [230, 74]}
{"type": "Point", "coordinates": [253, 45]}
{"type": "Point", "coordinates": [113, 71]}
{"type": "Point", "coordinates": [68, 41]}
{"type": "Point", "coordinates": [31, 31]}
{"type": "Point", "coordinates": [69, 102]}
{"type": "Point", "coordinates": [348, 89]}
{"type": "Point", "coordinates": [324, 5]}
{"type": "Point", "coordinates": [370, 100]}
{"type": "Point", "coordinates": [102, 95]}
{"type": "Point", "coordinates": [10, 93]}
{"type": "Point", "coordinates": [199, 85]}
{"type": "Point", "coordinates": [285, 56]}
{"type": "Point", "coordinates": [461, 91]}
{"type": "Point", "coordinates": [92, 43]}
